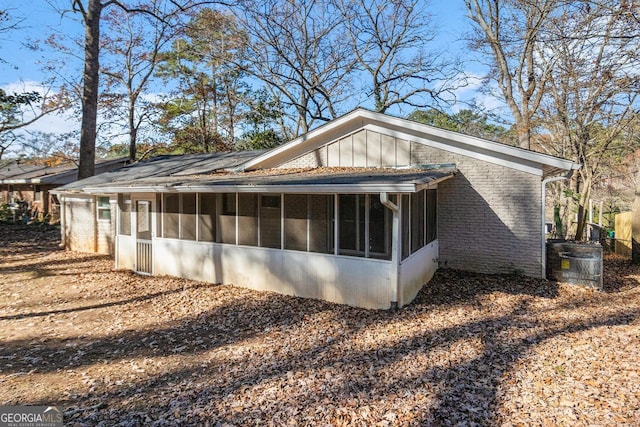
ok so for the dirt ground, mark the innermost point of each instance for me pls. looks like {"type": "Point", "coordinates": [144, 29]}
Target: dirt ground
{"type": "Point", "coordinates": [115, 348]}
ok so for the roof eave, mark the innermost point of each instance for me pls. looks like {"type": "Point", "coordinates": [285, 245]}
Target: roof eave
{"type": "Point", "coordinates": [407, 187]}
{"type": "Point", "coordinates": [361, 118]}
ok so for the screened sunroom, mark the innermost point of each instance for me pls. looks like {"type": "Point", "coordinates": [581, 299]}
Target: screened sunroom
{"type": "Point", "coordinates": [374, 247]}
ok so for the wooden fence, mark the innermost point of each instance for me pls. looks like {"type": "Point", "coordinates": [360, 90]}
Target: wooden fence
{"type": "Point", "coordinates": [623, 234]}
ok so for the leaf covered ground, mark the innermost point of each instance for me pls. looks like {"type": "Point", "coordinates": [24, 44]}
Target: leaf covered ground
{"type": "Point", "coordinates": [115, 348]}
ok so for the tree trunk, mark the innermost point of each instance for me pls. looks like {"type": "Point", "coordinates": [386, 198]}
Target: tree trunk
{"type": "Point", "coordinates": [133, 131]}
{"type": "Point", "coordinates": [635, 227]}
{"type": "Point", "coordinates": [557, 219]}
{"type": "Point", "coordinates": [585, 195]}
{"type": "Point", "coordinates": [86, 166]}
{"type": "Point", "coordinates": [524, 129]}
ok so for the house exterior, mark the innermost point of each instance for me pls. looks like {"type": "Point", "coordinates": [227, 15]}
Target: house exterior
{"type": "Point", "coordinates": [31, 184]}
{"type": "Point", "coordinates": [361, 211]}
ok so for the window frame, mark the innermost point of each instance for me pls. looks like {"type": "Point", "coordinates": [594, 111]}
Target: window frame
{"type": "Point", "coordinates": [102, 208]}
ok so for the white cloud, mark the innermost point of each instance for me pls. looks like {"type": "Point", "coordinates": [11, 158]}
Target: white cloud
{"type": "Point", "coordinates": [474, 91]}
{"type": "Point", "coordinates": [62, 122]}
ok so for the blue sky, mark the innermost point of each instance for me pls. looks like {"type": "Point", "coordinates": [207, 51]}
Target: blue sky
{"type": "Point", "coordinates": [21, 68]}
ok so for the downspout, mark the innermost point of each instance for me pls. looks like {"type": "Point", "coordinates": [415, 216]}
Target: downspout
{"type": "Point", "coordinates": [544, 223]}
{"type": "Point", "coordinates": [63, 221]}
{"type": "Point", "coordinates": [395, 247]}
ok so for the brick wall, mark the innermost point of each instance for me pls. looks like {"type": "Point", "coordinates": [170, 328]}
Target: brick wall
{"type": "Point", "coordinates": [312, 159]}
{"type": "Point", "coordinates": [489, 216]}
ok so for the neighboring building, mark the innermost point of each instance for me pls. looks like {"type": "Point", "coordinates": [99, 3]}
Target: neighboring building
{"type": "Point", "coordinates": [361, 211]}
{"type": "Point", "coordinates": [28, 186]}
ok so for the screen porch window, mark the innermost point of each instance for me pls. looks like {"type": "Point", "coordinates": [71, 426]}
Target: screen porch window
{"type": "Point", "coordinates": [171, 216]}
{"type": "Point", "coordinates": [188, 216]}
{"type": "Point", "coordinates": [179, 216]}
{"type": "Point", "coordinates": [248, 219]}
{"type": "Point", "coordinates": [432, 215]}
{"type": "Point", "coordinates": [296, 210]}
{"type": "Point", "coordinates": [227, 218]}
{"type": "Point", "coordinates": [364, 226]}
{"type": "Point", "coordinates": [321, 223]}
{"type": "Point", "coordinates": [351, 208]}
{"type": "Point", "coordinates": [207, 217]}
{"type": "Point", "coordinates": [124, 206]}
{"type": "Point", "coordinates": [270, 221]}
{"type": "Point", "coordinates": [419, 221]}
{"type": "Point", "coordinates": [300, 222]}
{"type": "Point", "coordinates": [308, 222]}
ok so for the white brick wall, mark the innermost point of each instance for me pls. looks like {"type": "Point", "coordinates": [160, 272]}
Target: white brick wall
{"type": "Point", "coordinates": [488, 215]}
{"type": "Point", "coordinates": [80, 224]}
{"type": "Point", "coordinates": [313, 159]}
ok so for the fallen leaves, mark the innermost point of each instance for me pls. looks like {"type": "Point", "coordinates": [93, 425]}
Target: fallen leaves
{"type": "Point", "coordinates": [113, 347]}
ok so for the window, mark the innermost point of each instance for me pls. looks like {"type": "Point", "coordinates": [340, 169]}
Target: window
{"type": "Point", "coordinates": [406, 226]}
{"type": "Point", "coordinates": [207, 217]}
{"type": "Point", "coordinates": [351, 222]}
{"type": "Point", "coordinates": [308, 222]}
{"type": "Point", "coordinates": [248, 219]}
{"type": "Point", "coordinates": [159, 217]}
{"type": "Point", "coordinates": [227, 219]}
{"type": "Point", "coordinates": [292, 221]}
{"type": "Point", "coordinates": [38, 194]}
{"type": "Point", "coordinates": [432, 215]}
{"type": "Point", "coordinates": [321, 223]}
{"type": "Point", "coordinates": [270, 221]}
{"type": "Point", "coordinates": [171, 216]}
{"type": "Point", "coordinates": [419, 221]}
{"type": "Point", "coordinates": [143, 219]}
{"type": "Point", "coordinates": [124, 206]}
{"type": "Point", "coordinates": [104, 209]}
{"type": "Point", "coordinates": [364, 226]}
{"type": "Point", "coordinates": [188, 217]}
{"type": "Point", "coordinates": [379, 229]}
{"type": "Point", "coordinates": [295, 222]}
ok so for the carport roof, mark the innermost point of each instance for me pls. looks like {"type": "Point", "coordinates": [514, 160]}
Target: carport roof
{"type": "Point", "coordinates": [164, 168]}
{"type": "Point", "coordinates": [17, 172]}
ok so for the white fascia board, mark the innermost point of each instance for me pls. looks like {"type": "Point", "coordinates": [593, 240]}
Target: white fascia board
{"type": "Point", "coordinates": [471, 141]}
{"type": "Point", "coordinates": [21, 181]}
{"type": "Point", "coordinates": [68, 176]}
{"type": "Point", "coordinates": [326, 133]}
{"type": "Point", "coordinates": [267, 188]}
{"type": "Point", "coordinates": [111, 190]}
{"type": "Point", "coordinates": [455, 142]}
{"type": "Point", "coordinates": [302, 189]}
{"type": "Point", "coordinates": [310, 188]}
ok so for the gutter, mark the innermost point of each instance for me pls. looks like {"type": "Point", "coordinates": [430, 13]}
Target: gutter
{"type": "Point", "coordinates": [395, 240]}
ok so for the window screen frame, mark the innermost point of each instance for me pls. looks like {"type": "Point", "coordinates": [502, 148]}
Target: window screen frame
{"type": "Point", "coordinates": [124, 200]}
